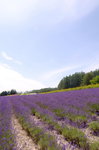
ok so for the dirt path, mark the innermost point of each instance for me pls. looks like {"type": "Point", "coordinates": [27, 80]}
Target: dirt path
{"type": "Point", "coordinates": [23, 141]}
{"type": "Point", "coordinates": [59, 138]}
{"type": "Point", "coordinates": [90, 137]}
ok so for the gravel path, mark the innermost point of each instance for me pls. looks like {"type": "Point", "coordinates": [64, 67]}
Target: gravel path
{"type": "Point", "coordinates": [87, 131]}
{"type": "Point", "coordinates": [59, 138]}
{"type": "Point", "coordinates": [91, 138]}
{"type": "Point", "coordinates": [23, 141]}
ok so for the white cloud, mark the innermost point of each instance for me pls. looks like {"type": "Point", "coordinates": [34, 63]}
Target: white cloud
{"type": "Point", "coordinates": [4, 55]}
{"type": "Point", "coordinates": [9, 58]}
{"type": "Point", "coordinates": [10, 79]}
{"type": "Point", "coordinates": [44, 11]}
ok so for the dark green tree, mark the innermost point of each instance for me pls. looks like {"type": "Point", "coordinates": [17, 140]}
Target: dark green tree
{"type": "Point", "coordinates": [76, 79]}
{"type": "Point", "coordinates": [95, 80]}
{"type": "Point", "coordinates": [62, 84]}
{"type": "Point", "coordinates": [12, 92]}
{"type": "Point", "coordinates": [96, 73]}
{"type": "Point", "coordinates": [71, 81]}
{"type": "Point", "coordinates": [4, 93]}
{"type": "Point", "coordinates": [86, 79]}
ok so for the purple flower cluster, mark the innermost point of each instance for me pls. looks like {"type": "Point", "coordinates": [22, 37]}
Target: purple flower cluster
{"type": "Point", "coordinates": [73, 104]}
{"type": "Point", "coordinates": [6, 136]}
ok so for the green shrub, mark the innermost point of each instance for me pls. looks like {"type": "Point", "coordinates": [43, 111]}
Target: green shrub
{"type": "Point", "coordinates": [59, 112]}
{"type": "Point", "coordinates": [80, 118]}
{"type": "Point", "coordinates": [75, 136]}
{"type": "Point", "coordinates": [95, 80]}
{"type": "Point", "coordinates": [58, 128]}
{"type": "Point", "coordinates": [47, 119]}
{"type": "Point", "coordinates": [42, 105]}
{"type": "Point", "coordinates": [94, 126]}
{"type": "Point", "coordinates": [44, 117]}
{"type": "Point", "coordinates": [94, 146]}
{"type": "Point", "coordinates": [33, 111]}
{"type": "Point", "coordinates": [36, 133]}
{"type": "Point", "coordinates": [47, 143]}
{"type": "Point", "coordinates": [36, 113]}
{"type": "Point", "coordinates": [94, 107]}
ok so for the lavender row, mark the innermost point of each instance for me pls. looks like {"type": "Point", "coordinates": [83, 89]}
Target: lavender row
{"type": "Point", "coordinates": [74, 107]}
{"type": "Point", "coordinates": [6, 136]}
{"type": "Point", "coordinates": [43, 140]}
{"type": "Point", "coordinates": [73, 135]}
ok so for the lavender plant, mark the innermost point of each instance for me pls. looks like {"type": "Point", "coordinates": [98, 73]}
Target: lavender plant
{"type": "Point", "coordinates": [6, 136]}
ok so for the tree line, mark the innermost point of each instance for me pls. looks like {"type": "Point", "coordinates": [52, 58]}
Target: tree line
{"type": "Point", "coordinates": [43, 90]}
{"type": "Point", "coordinates": [5, 93]}
{"type": "Point", "coordinates": [79, 79]}
{"type": "Point", "coordinates": [75, 80]}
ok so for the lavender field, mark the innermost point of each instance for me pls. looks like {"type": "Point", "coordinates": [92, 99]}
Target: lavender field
{"type": "Point", "coordinates": [54, 121]}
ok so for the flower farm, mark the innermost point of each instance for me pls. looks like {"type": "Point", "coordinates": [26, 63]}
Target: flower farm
{"type": "Point", "coordinates": [54, 121]}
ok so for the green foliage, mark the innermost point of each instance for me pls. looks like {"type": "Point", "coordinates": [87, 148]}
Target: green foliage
{"type": "Point", "coordinates": [95, 80]}
{"type": "Point", "coordinates": [12, 92]}
{"type": "Point", "coordinates": [76, 88]}
{"type": "Point", "coordinates": [45, 141]}
{"type": "Point", "coordinates": [81, 118]}
{"type": "Point", "coordinates": [43, 90]}
{"type": "Point", "coordinates": [33, 111]}
{"type": "Point", "coordinates": [78, 119]}
{"type": "Point", "coordinates": [96, 72]}
{"type": "Point", "coordinates": [86, 79]}
{"type": "Point", "coordinates": [36, 134]}
{"type": "Point", "coordinates": [71, 81]}
{"type": "Point", "coordinates": [8, 139]}
{"type": "Point", "coordinates": [5, 93]}
{"type": "Point", "coordinates": [48, 120]}
{"type": "Point", "coordinates": [77, 79]}
{"type": "Point", "coordinates": [48, 143]}
{"type": "Point", "coordinates": [75, 136]}
{"type": "Point", "coordinates": [94, 107]}
{"type": "Point", "coordinates": [42, 105]}
{"type": "Point", "coordinates": [37, 114]}
{"type": "Point", "coordinates": [94, 146]}
{"type": "Point", "coordinates": [44, 117]}
{"type": "Point", "coordinates": [94, 126]}
{"type": "Point", "coordinates": [59, 112]}
{"type": "Point", "coordinates": [58, 128]}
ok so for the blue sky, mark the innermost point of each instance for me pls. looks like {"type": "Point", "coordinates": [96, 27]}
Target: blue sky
{"type": "Point", "coordinates": [42, 41]}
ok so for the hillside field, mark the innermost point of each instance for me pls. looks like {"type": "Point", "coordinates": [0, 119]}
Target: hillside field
{"type": "Point", "coordinates": [66, 120]}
